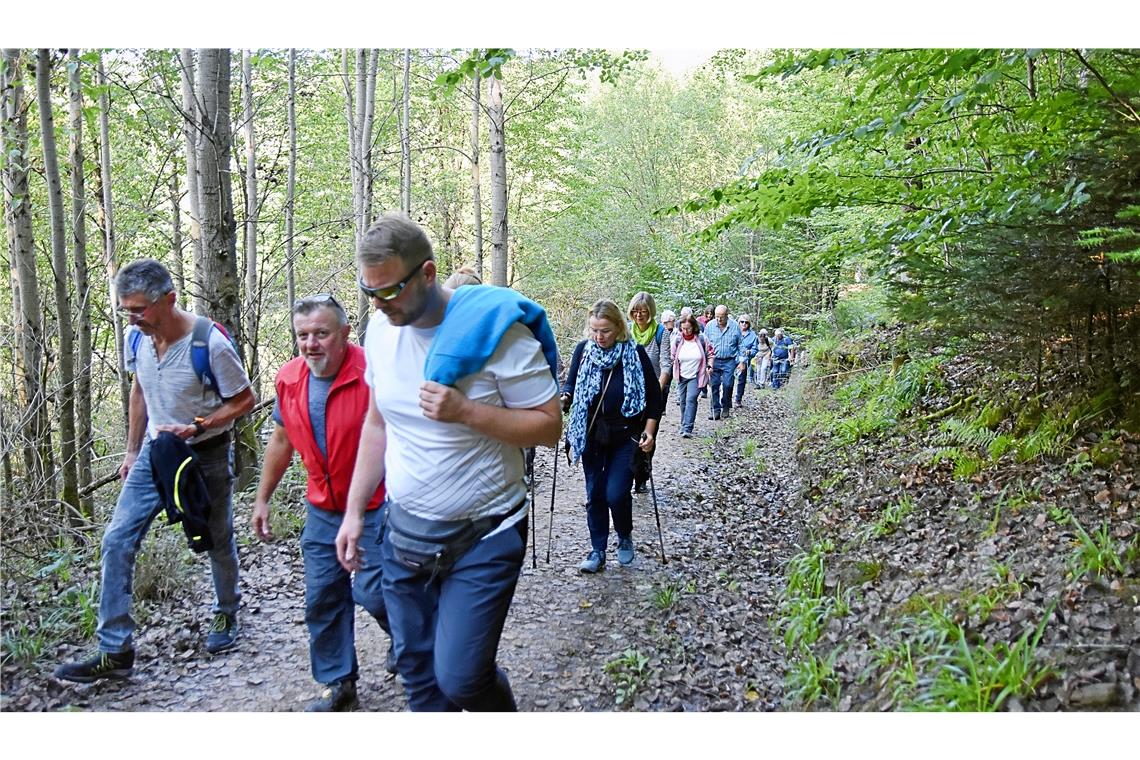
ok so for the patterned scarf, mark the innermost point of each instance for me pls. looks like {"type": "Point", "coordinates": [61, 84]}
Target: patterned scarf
{"type": "Point", "coordinates": [642, 337]}
{"type": "Point", "coordinates": [596, 361]}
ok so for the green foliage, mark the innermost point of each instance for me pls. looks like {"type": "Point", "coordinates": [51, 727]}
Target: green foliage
{"type": "Point", "coordinates": [666, 595]}
{"type": "Point", "coordinates": [1097, 554]}
{"type": "Point", "coordinates": [929, 661]}
{"type": "Point", "coordinates": [892, 516]}
{"type": "Point", "coordinates": [811, 678]}
{"type": "Point", "coordinates": [628, 671]}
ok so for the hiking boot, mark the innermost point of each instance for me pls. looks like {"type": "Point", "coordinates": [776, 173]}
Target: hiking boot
{"type": "Point", "coordinates": [223, 633]}
{"type": "Point", "coordinates": [686, 434]}
{"type": "Point", "coordinates": [102, 665]}
{"type": "Point", "coordinates": [337, 697]}
{"type": "Point", "coordinates": [625, 551]}
{"type": "Point", "coordinates": [594, 562]}
{"type": "Point", "coordinates": [640, 487]}
{"type": "Point", "coordinates": [390, 660]}
{"type": "Point", "coordinates": [725, 414]}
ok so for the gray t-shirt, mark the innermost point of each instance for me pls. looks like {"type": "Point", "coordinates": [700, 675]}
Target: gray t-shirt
{"type": "Point", "coordinates": [174, 395]}
{"type": "Point", "coordinates": [318, 400]}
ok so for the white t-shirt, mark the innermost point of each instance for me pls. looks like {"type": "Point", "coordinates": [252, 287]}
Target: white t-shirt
{"type": "Point", "coordinates": [446, 470]}
{"type": "Point", "coordinates": [690, 356]}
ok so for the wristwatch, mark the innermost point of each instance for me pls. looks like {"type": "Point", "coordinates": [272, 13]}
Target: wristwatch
{"type": "Point", "coordinates": [199, 426]}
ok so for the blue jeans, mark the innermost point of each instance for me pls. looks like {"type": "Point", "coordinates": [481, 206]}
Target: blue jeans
{"type": "Point", "coordinates": [609, 474]}
{"type": "Point", "coordinates": [721, 382]}
{"type": "Point", "coordinates": [687, 391]}
{"type": "Point", "coordinates": [136, 508]}
{"type": "Point", "coordinates": [741, 383]}
{"type": "Point", "coordinates": [445, 634]}
{"type": "Point", "coordinates": [330, 593]}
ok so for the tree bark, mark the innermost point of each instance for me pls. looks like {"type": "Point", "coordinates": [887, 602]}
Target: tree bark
{"type": "Point", "coordinates": [498, 186]}
{"type": "Point", "coordinates": [290, 191]}
{"type": "Point", "coordinates": [177, 268]}
{"type": "Point", "coordinates": [190, 119]}
{"type": "Point", "coordinates": [359, 120]}
{"type": "Point", "coordinates": [405, 139]}
{"type": "Point", "coordinates": [476, 199]}
{"type": "Point", "coordinates": [252, 308]}
{"type": "Point", "coordinates": [69, 494]}
{"type": "Point", "coordinates": [26, 302]}
{"type": "Point", "coordinates": [84, 432]}
{"type": "Point", "coordinates": [110, 259]}
{"type": "Point", "coordinates": [217, 272]}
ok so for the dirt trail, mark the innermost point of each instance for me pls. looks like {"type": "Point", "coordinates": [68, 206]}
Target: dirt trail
{"type": "Point", "coordinates": [692, 634]}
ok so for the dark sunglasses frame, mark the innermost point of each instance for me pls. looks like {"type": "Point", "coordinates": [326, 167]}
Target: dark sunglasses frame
{"type": "Point", "coordinates": [389, 292]}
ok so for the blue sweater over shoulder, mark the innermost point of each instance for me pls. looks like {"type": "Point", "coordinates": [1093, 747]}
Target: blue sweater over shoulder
{"type": "Point", "coordinates": [475, 321]}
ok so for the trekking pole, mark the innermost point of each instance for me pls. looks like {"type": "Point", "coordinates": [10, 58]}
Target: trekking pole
{"type": "Point", "coordinates": [553, 488]}
{"type": "Point", "coordinates": [657, 514]}
{"type": "Point", "coordinates": [533, 529]}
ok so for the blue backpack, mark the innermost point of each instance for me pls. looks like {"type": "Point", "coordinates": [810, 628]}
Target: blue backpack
{"type": "Point", "coordinates": [199, 350]}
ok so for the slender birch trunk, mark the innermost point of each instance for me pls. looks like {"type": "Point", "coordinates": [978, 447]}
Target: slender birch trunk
{"type": "Point", "coordinates": [290, 191]}
{"type": "Point", "coordinates": [498, 186]}
{"type": "Point", "coordinates": [252, 309]}
{"type": "Point", "coordinates": [476, 192]}
{"type": "Point", "coordinates": [69, 494]}
{"type": "Point", "coordinates": [85, 436]}
{"type": "Point", "coordinates": [110, 259]}
{"type": "Point", "coordinates": [190, 119]}
{"type": "Point", "coordinates": [177, 268]}
{"type": "Point", "coordinates": [405, 139]}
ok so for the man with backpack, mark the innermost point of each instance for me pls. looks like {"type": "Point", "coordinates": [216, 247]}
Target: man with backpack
{"type": "Point", "coordinates": [462, 380]}
{"type": "Point", "coordinates": [321, 399]}
{"type": "Point", "coordinates": [188, 381]}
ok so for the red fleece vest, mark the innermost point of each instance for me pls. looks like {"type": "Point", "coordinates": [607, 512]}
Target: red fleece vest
{"type": "Point", "coordinates": [346, 409]}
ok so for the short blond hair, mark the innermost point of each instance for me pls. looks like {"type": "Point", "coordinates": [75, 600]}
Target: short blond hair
{"type": "Point", "coordinates": [606, 309]}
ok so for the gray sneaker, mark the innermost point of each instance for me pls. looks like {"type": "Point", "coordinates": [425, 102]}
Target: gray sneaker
{"type": "Point", "coordinates": [595, 562]}
{"type": "Point", "coordinates": [625, 551]}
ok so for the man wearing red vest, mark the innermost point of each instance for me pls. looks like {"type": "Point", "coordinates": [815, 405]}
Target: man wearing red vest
{"type": "Point", "coordinates": [321, 400]}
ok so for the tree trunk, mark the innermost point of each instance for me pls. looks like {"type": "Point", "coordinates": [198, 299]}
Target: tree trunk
{"type": "Point", "coordinates": [21, 251]}
{"type": "Point", "coordinates": [217, 272]}
{"type": "Point", "coordinates": [360, 154]}
{"type": "Point", "coordinates": [498, 187]}
{"type": "Point", "coordinates": [190, 119]}
{"type": "Point", "coordinates": [177, 269]}
{"type": "Point", "coordinates": [290, 192]}
{"type": "Point", "coordinates": [252, 308]}
{"type": "Point", "coordinates": [217, 269]}
{"type": "Point", "coordinates": [405, 139]}
{"type": "Point", "coordinates": [85, 437]}
{"type": "Point", "coordinates": [110, 260]}
{"type": "Point", "coordinates": [476, 199]}
{"type": "Point", "coordinates": [69, 494]}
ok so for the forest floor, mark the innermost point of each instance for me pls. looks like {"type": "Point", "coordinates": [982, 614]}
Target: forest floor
{"type": "Point", "coordinates": [692, 633]}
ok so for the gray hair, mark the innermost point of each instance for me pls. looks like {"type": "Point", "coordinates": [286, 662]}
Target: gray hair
{"type": "Point", "coordinates": [145, 276]}
{"type": "Point", "coordinates": [394, 234]}
{"type": "Point", "coordinates": [309, 304]}
{"type": "Point", "coordinates": [642, 299]}
{"type": "Point", "coordinates": [667, 315]}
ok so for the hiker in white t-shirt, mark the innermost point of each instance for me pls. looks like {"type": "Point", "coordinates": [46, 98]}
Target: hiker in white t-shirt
{"type": "Point", "coordinates": [461, 381]}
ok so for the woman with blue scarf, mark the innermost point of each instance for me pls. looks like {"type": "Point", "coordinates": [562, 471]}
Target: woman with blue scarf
{"type": "Point", "coordinates": [614, 399]}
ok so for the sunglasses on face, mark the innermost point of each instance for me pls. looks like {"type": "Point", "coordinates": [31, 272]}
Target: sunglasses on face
{"type": "Point", "coordinates": [388, 292]}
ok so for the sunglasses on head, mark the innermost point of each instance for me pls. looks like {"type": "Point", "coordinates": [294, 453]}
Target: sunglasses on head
{"type": "Point", "coordinates": [388, 292]}
{"type": "Point", "coordinates": [319, 298]}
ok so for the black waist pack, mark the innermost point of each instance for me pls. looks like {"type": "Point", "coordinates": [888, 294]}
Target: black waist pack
{"type": "Point", "coordinates": [434, 546]}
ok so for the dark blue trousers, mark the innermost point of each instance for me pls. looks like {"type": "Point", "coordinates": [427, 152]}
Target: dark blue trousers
{"type": "Point", "coordinates": [609, 475]}
{"type": "Point", "coordinates": [446, 633]}
{"type": "Point", "coordinates": [330, 593]}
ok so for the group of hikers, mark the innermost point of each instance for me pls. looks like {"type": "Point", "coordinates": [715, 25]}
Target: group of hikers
{"type": "Point", "coordinates": [420, 513]}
